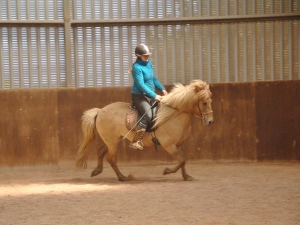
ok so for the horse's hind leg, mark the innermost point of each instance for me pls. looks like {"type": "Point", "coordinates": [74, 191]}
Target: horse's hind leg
{"type": "Point", "coordinates": [111, 158]}
{"type": "Point", "coordinates": [177, 154]}
{"type": "Point", "coordinates": [185, 175]}
{"type": "Point", "coordinates": [101, 152]}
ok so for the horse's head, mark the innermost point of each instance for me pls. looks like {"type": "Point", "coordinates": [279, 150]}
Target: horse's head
{"type": "Point", "coordinates": [204, 103]}
{"type": "Point", "coordinates": [206, 112]}
{"type": "Point", "coordinates": [194, 98]}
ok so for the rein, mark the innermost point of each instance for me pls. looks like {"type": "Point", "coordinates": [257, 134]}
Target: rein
{"type": "Point", "coordinates": [200, 112]}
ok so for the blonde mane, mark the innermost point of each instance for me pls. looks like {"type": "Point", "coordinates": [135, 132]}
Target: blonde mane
{"type": "Point", "coordinates": [182, 99]}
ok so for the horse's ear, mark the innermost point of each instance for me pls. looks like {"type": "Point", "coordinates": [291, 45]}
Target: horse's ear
{"type": "Point", "coordinates": [199, 87]}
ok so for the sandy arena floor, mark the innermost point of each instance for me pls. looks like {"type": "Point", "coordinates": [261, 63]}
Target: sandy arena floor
{"type": "Point", "coordinates": [222, 193]}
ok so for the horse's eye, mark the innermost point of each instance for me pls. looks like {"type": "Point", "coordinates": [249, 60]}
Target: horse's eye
{"type": "Point", "coordinates": [204, 103]}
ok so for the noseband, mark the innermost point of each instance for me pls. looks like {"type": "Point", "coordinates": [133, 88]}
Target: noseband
{"type": "Point", "coordinates": [201, 113]}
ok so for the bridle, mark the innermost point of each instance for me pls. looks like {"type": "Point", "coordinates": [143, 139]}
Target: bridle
{"type": "Point", "coordinates": [201, 113]}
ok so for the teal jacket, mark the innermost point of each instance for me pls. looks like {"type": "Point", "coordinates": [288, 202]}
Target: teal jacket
{"type": "Point", "coordinates": [144, 79]}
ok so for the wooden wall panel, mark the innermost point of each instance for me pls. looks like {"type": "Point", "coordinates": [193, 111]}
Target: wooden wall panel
{"type": "Point", "coordinates": [253, 121]}
{"type": "Point", "coordinates": [28, 127]}
{"type": "Point", "coordinates": [278, 120]}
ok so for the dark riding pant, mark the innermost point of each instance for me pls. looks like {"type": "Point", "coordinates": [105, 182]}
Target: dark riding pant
{"type": "Point", "coordinates": [143, 105]}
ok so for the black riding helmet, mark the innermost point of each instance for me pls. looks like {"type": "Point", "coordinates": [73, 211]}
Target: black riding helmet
{"type": "Point", "coordinates": [142, 50]}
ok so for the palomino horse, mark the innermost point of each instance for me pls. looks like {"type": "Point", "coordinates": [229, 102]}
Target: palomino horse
{"type": "Point", "coordinates": [173, 124]}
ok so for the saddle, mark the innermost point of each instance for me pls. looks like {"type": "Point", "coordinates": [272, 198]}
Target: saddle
{"type": "Point", "coordinates": [133, 116]}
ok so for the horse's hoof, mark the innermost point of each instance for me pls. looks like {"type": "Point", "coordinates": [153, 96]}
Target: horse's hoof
{"type": "Point", "coordinates": [167, 171]}
{"type": "Point", "coordinates": [96, 172]}
{"type": "Point", "coordinates": [123, 178]}
{"type": "Point", "coordinates": [189, 178]}
{"type": "Point", "coordinates": [129, 178]}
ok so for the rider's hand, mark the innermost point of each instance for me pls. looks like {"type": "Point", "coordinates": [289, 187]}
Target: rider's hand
{"type": "Point", "coordinates": [164, 92]}
{"type": "Point", "coordinates": [158, 98]}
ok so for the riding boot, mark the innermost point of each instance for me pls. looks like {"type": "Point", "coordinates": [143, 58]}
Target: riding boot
{"type": "Point", "coordinates": [137, 140]}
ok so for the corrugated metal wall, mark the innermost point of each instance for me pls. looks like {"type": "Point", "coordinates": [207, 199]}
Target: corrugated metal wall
{"type": "Point", "coordinates": [212, 40]}
{"type": "Point", "coordinates": [31, 55]}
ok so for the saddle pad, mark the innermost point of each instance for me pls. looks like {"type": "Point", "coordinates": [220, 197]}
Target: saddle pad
{"type": "Point", "coordinates": [131, 118]}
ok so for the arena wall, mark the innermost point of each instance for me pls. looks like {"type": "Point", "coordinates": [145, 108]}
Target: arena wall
{"type": "Point", "coordinates": [253, 122]}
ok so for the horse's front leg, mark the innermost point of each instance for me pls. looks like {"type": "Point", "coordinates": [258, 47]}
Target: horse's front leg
{"type": "Point", "coordinates": [177, 154]}
{"type": "Point", "coordinates": [101, 152]}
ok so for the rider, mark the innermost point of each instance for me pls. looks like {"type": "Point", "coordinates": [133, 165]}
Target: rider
{"type": "Point", "coordinates": [143, 91]}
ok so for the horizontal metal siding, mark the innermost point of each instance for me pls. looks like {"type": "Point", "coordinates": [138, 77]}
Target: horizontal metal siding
{"type": "Point", "coordinates": [234, 52]}
{"type": "Point", "coordinates": [102, 54]}
{"type": "Point", "coordinates": [31, 57]}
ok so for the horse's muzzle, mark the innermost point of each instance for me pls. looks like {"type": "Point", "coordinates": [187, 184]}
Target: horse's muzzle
{"type": "Point", "coordinates": [208, 121]}
{"type": "Point", "coordinates": [211, 122]}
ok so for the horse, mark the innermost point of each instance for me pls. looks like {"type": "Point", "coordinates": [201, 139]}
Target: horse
{"type": "Point", "coordinates": [172, 126]}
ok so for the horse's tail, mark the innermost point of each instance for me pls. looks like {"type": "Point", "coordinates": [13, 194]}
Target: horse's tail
{"type": "Point", "coordinates": [89, 137]}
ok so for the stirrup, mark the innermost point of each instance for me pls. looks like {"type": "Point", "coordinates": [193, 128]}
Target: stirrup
{"type": "Point", "coordinates": [136, 142]}
{"type": "Point", "coordinates": [137, 145]}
